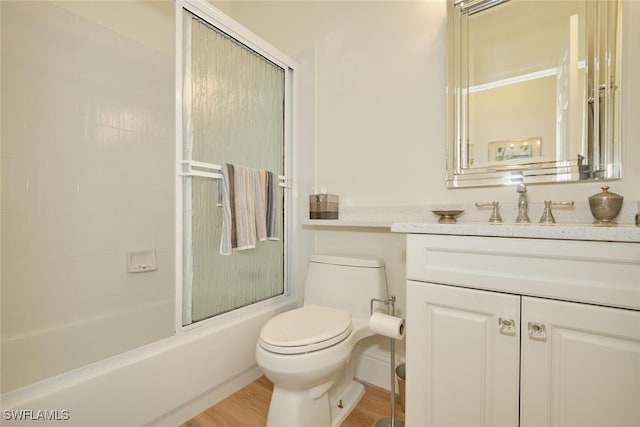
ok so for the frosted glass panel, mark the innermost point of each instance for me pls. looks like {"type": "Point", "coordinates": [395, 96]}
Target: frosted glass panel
{"type": "Point", "coordinates": [234, 113]}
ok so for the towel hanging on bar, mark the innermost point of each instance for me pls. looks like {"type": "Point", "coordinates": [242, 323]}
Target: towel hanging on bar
{"type": "Point", "coordinates": [268, 184]}
{"type": "Point", "coordinates": [248, 207]}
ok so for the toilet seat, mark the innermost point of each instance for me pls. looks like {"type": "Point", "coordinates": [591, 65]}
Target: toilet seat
{"type": "Point", "coordinates": [306, 329]}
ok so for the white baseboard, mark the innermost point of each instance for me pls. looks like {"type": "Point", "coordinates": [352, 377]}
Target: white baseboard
{"type": "Point", "coordinates": [372, 365]}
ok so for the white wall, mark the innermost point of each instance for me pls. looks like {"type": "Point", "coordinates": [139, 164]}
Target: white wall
{"type": "Point", "coordinates": [380, 110]}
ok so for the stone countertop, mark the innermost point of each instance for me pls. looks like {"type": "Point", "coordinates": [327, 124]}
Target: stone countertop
{"type": "Point", "coordinates": [616, 233]}
{"type": "Point", "coordinates": [572, 224]}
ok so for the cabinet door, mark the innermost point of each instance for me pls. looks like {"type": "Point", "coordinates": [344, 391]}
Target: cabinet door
{"type": "Point", "coordinates": [462, 369]}
{"type": "Point", "coordinates": [580, 366]}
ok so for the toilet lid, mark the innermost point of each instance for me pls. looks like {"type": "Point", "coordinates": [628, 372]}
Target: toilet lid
{"type": "Point", "coordinates": [305, 329]}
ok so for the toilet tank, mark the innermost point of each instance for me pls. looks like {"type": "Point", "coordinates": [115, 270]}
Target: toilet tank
{"type": "Point", "coordinates": [345, 283]}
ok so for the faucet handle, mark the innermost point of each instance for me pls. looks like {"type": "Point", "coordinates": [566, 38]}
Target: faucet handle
{"type": "Point", "coordinates": [495, 214]}
{"type": "Point", "coordinates": [547, 215]}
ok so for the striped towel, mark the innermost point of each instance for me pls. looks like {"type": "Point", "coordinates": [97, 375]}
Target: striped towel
{"type": "Point", "coordinates": [247, 198]}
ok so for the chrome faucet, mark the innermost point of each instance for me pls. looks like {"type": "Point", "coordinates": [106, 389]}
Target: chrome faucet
{"type": "Point", "coordinates": [523, 205]}
{"type": "Point", "coordinates": [495, 214]}
{"type": "Point", "coordinates": [547, 215]}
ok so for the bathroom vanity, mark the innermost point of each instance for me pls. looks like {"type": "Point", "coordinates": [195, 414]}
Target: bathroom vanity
{"type": "Point", "coordinates": [521, 331]}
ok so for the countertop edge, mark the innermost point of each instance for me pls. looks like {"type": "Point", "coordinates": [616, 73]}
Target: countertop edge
{"type": "Point", "coordinates": [586, 232]}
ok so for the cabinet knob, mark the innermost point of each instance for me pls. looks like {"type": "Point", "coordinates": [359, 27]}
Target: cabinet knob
{"type": "Point", "coordinates": [507, 326]}
{"type": "Point", "coordinates": [537, 331]}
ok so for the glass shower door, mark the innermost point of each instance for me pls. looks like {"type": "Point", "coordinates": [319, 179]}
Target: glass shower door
{"type": "Point", "coordinates": [233, 112]}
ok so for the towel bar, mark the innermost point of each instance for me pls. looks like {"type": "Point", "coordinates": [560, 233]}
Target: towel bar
{"type": "Point", "coordinates": [188, 171]}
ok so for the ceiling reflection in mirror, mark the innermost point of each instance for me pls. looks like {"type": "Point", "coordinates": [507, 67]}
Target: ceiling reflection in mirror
{"type": "Point", "coordinates": [533, 91]}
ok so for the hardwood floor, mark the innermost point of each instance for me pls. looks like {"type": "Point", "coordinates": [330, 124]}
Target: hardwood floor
{"type": "Point", "coordinates": [249, 407]}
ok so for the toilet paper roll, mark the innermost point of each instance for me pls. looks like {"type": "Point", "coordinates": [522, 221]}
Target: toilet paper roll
{"type": "Point", "coordinates": [388, 326]}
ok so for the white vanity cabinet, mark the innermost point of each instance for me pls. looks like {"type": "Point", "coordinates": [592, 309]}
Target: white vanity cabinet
{"type": "Point", "coordinates": [522, 332]}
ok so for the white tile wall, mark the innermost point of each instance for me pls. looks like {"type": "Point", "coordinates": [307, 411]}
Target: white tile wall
{"type": "Point", "coordinates": [87, 174]}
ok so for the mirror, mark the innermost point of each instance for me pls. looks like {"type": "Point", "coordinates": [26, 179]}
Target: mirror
{"type": "Point", "coordinates": [533, 91]}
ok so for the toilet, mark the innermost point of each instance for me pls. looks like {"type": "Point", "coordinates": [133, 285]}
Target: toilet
{"type": "Point", "coordinates": [306, 352]}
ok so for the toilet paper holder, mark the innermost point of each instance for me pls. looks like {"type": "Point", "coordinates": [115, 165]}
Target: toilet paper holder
{"type": "Point", "coordinates": [391, 301]}
{"type": "Point", "coordinates": [391, 421]}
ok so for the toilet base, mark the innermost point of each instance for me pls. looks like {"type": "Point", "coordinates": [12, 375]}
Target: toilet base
{"type": "Point", "coordinates": [350, 398]}
{"type": "Point", "coordinates": [296, 408]}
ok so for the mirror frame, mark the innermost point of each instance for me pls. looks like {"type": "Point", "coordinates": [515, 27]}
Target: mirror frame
{"type": "Point", "coordinates": [603, 160]}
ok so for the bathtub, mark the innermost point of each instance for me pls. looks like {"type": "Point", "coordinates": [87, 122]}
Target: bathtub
{"type": "Point", "coordinates": [161, 384]}
{"type": "Point", "coordinates": [31, 357]}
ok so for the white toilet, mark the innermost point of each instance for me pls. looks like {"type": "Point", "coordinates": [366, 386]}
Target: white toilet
{"type": "Point", "coordinates": [306, 352]}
